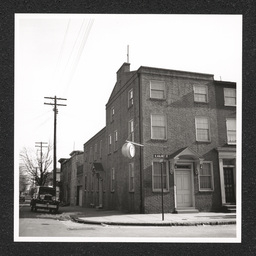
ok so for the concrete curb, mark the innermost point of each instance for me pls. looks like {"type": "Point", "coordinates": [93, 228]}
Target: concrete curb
{"type": "Point", "coordinates": [191, 223]}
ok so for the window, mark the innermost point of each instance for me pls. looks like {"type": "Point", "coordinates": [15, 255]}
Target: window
{"type": "Point", "coordinates": [109, 143]}
{"type": "Point", "coordinates": [231, 130]}
{"type": "Point", "coordinates": [229, 97]}
{"type": "Point", "coordinates": [206, 177]}
{"type": "Point", "coordinates": [200, 93]}
{"type": "Point", "coordinates": [112, 182]}
{"type": "Point", "coordinates": [92, 182]}
{"type": "Point", "coordinates": [112, 113]}
{"type": "Point", "coordinates": [130, 98]}
{"type": "Point", "coordinates": [95, 152]}
{"type": "Point", "coordinates": [115, 140]}
{"type": "Point", "coordinates": [156, 177]}
{"type": "Point", "coordinates": [157, 90]}
{"type": "Point", "coordinates": [101, 149]}
{"type": "Point", "coordinates": [85, 182]}
{"type": "Point", "coordinates": [131, 130]}
{"type": "Point", "coordinates": [202, 129]}
{"type": "Point", "coordinates": [158, 127]}
{"type": "Point", "coordinates": [131, 177]}
{"type": "Point", "coordinates": [90, 156]}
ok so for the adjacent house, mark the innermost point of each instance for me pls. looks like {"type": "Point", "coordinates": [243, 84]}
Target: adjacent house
{"type": "Point", "coordinates": [183, 125]}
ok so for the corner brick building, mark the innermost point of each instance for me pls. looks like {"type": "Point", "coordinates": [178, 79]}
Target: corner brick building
{"type": "Point", "coordinates": [186, 123]}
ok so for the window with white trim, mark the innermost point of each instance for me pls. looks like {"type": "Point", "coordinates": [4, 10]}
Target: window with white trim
{"type": "Point", "coordinates": [112, 181]}
{"type": "Point", "coordinates": [130, 98]}
{"type": "Point", "coordinates": [157, 89]}
{"type": "Point", "coordinates": [200, 93]}
{"type": "Point", "coordinates": [205, 176]}
{"type": "Point", "coordinates": [131, 130]}
{"type": "Point", "coordinates": [112, 114]}
{"type": "Point", "coordinates": [229, 97]}
{"type": "Point", "coordinates": [109, 143]}
{"type": "Point", "coordinates": [202, 129]}
{"type": "Point", "coordinates": [231, 130]}
{"type": "Point", "coordinates": [156, 177]}
{"type": "Point", "coordinates": [158, 127]}
{"type": "Point", "coordinates": [131, 177]}
{"type": "Point", "coordinates": [115, 140]}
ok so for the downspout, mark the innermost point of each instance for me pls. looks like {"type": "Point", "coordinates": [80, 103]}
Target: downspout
{"type": "Point", "coordinates": [141, 149]}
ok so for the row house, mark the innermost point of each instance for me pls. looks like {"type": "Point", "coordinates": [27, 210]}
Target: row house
{"type": "Point", "coordinates": [183, 126]}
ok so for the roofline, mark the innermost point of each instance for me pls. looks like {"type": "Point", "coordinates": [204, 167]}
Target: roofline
{"type": "Point", "coordinates": [95, 135]}
{"type": "Point", "coordinates": [225, 82]}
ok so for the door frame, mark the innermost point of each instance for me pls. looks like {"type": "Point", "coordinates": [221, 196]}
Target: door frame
{"type": "Point", "coordinates": [191, 180]}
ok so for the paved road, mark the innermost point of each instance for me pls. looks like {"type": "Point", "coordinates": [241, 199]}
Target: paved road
{"type": "Point", "coordinates": [44, 224]}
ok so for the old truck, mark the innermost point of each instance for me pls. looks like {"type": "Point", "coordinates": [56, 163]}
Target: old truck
{"type": "Point", "coordinates": [44, 198]}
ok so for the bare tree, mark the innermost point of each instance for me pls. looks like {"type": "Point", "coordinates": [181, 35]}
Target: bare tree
{"type": "Point", "coordinates": [24, 180]}
{"type": "Point", "coordinates": [38, 172]}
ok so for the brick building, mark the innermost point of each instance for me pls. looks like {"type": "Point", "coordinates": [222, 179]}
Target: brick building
{"type": "Point", "coordinates": [72, 178]}
{"type": "Point", "coordinates": [186, 123]}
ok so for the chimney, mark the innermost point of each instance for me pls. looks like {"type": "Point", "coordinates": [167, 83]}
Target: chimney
{"type": "Point", "coordinates": [124, 68]}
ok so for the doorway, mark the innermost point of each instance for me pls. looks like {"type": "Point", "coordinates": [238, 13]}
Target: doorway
{"type": "Point", "coordinates": [229, 184]}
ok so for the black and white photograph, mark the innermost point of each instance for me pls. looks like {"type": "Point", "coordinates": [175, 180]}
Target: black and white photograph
{"type": "Point", "coordinates": [127, 128]}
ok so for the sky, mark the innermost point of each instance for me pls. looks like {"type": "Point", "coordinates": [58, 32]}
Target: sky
{"type": "Point", "coordinates": [76, 57]}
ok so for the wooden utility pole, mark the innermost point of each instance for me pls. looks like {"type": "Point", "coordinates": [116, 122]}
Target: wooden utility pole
{"type": "Point", "coordinates": [54, 135]}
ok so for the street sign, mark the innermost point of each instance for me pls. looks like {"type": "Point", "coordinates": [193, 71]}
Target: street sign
{"type": "Point", "coordinates": [161, 156]}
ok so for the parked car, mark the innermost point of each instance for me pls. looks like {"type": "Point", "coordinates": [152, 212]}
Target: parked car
{"type": "Point", "coordinates": [44, 198]}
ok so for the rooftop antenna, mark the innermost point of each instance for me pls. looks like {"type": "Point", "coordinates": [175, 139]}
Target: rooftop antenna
{"type": "Point", "coordinates": [127, 53]}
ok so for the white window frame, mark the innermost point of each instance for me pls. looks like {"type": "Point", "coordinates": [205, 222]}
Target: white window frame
{"type": "Point", "coordinates": [131, 130]}
{"type": "Point", "coordinates": [131, 177]}
{"type": "Point", "coordinates": [156, 89]}
{"type": "Point", "coordinates": [109, 143]}
{"type": "Point", "coordinates": [229, 131]}
{"type": "Point", "coordinates": [209, 130]}
{"type": "Point", "coordinates": [166, 172]}
{"type": "Point", "coordinates": [165, 126]}
{"type": "Point", "coordinates": [130, 98]}
{"type": "Point", "coordinates": [112, 180]}
{"type": "Point", "coordinates": [212, 178]}
{"type": "Point", "coordinates": [112, 114]}
{"type": "Point", "coordinates": [115, 140]}
{"type": "Point", "coordinates": [205, 94]}
{"type": "Point", "coordinates": [226, 96]}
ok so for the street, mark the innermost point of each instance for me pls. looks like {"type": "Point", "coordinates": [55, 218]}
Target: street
{"type": "Point", "coordinates": [44, 224]}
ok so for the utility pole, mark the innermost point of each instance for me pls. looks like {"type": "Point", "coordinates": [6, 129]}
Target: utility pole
{"type": "Point", "coordinates": [55, 110]}
{"type": "Point", "coordinates": [41, 154]}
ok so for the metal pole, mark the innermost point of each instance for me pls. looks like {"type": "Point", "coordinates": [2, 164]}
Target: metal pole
{"type": "Point", "coordinates": [162, 190]}
{"type": "Point", "coordinates": [54, 139]}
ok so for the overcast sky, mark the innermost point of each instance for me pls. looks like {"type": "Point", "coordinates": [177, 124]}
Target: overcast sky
{"type": "Point", "coordinates": [76, 57]}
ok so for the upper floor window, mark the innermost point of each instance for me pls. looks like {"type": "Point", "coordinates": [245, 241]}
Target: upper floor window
{"type": "Point", "coordinates": [112, 114]}
{"type": "Point", "coordinates": [130, 98]}
{"type": "Point", "coordinates": [200, 93]}
{"type": "Point", "coordinates": [112, 181]}
{"type": "Point", "coordinates": [206, 177]}
{"type": "Point", "coordinates": [158, 127]}
{"type": "Point", "coordinates": [156, 177]}
{"type": "Point", "coordinates": [231, 130]}
{"type": "Point", "coordinates": [131, 177]}
{"type": "Point", "coordinates": [229, 97]}
{"type": "Point", "coordinates": [101, 149]}
{"type": "Point", "coordinates": [131, 130]}
{"type": "Point", "coordinates": [202, 129]}
{"type": "Point", "coordinates": [95, 152]}
{"type": "Point", "coordinates": [157, 90]}
{"type": "Point", "coordinates": [115, 140]}
{"type": "Point", "coordinates": [109, 143]}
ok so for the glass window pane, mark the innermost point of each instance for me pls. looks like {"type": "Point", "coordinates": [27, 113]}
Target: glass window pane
{"type": "Point", "coordinates": [157, 94]}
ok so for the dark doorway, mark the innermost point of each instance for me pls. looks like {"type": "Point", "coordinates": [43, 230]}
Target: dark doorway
{"type": "Point", "coordinates": [229, 185]}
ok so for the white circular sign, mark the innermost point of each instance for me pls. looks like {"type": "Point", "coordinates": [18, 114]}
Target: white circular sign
{"type": "Point", "coordinates": [128, 150]}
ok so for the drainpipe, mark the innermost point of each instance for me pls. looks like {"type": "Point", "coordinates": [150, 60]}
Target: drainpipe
{"type": "Point", "coordinates": [141, 150]}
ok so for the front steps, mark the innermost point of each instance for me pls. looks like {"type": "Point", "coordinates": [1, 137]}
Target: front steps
{"type": "Point", "coordinates": [231, 208]}
{"type": "Point", "coordinates": [187, 210]}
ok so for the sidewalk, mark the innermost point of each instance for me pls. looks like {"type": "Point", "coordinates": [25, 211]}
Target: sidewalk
{"type": "Point", "coordinates": [103, 217]}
